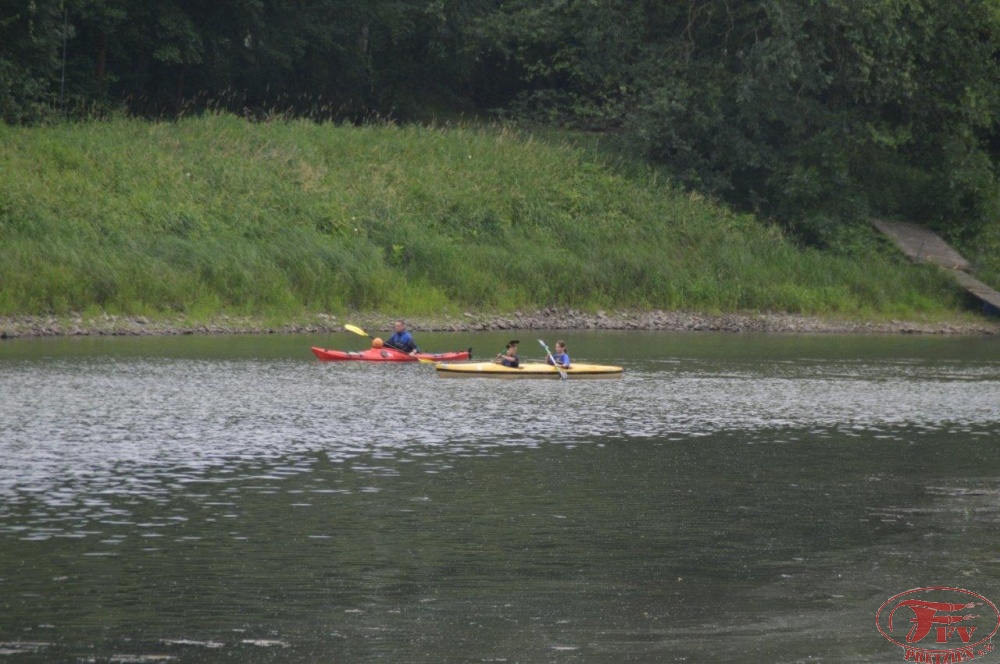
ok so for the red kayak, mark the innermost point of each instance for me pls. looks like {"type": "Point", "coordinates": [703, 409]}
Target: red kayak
{"type": "Point", "coordinates": [386, 354]}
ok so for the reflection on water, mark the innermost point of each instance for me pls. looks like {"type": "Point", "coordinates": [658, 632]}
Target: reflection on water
{"type": "Point", "coordinates": [716, 501]}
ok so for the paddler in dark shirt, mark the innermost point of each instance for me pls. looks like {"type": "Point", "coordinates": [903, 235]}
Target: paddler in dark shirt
{"type": "Point", "coordinates": [509, 357]}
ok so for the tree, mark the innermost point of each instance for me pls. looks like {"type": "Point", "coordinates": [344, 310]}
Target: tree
{"type": "Point", "coordinates": [814, 112]}
{"type": "Point", "coordinates": [574, 62]}
{"type": "Point", "coordinates": [31, 37]}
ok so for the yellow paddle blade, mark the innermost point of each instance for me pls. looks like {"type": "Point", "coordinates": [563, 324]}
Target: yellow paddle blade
{"type": "Point", "coordinates": [356, 330]}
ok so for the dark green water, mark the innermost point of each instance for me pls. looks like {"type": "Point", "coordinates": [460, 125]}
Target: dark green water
{"type": "Point", "coordinates": [730, 498]}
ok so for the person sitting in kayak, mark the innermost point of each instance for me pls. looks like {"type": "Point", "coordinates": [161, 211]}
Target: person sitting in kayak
{"type": "Point", "coordinates": [561, 357]}
{"type": "Point", "coordinates": [402, 339]}
{"type": "Point", "coordinates": [509, 357]}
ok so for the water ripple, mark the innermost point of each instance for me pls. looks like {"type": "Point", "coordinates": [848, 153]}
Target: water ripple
{"type": "Point", "coordinates": [81, 436]}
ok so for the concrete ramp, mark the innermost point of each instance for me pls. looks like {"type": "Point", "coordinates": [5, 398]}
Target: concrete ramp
{"type": "Point", "coordinates": [924, 246]}
{"type": "Point", "coordinates": [979, 290]}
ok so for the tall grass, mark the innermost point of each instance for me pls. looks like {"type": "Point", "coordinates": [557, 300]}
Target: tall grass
{"type": "Point", "coordinates": [220, 215]}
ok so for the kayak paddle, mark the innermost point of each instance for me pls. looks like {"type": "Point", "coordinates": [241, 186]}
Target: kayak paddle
{"type": "Point", "coordinates": [357, 330]}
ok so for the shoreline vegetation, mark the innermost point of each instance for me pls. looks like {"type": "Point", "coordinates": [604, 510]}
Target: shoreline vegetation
{"type": "Point", "coordinates": [219, 225]}
{"type": "Point", "coordinates": [13, 327]}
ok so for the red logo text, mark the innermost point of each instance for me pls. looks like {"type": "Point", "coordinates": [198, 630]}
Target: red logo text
{"type": "Point", "coordinates": [939, 625]}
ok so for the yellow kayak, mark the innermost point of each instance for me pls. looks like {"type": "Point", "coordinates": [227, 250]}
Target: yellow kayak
{"type": "Point", "coordinates": [530, 370]}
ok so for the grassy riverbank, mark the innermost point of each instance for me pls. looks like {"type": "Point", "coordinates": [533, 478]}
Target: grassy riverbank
{"type": "Point", "coordinates": [283, 220]}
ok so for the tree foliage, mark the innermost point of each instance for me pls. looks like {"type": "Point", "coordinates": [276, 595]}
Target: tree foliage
{"type": "Point", "coordinates": [810, 111]}
{"type": "Point", "coordinates": [332, 58]}
{"type": "Point", "coordinates": [31, 36]}
{"type": "Point", "coordinates": [813, 112]}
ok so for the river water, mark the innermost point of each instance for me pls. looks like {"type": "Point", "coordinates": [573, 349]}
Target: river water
{"type": "Point", "coordinates": [730, 498]}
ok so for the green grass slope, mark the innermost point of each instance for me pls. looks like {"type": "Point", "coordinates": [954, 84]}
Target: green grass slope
{"type": "Point", "coordinates": [218, 215]}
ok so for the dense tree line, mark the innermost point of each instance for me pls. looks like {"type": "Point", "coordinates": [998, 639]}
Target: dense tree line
{"type": "Point", "coordinates": [326, 58]}
{"type": "Point", "coordinates": [813, 112]}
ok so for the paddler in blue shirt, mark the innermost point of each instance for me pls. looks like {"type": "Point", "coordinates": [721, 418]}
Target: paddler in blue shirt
{"type": "Point", "coordinates": [402, 339]}
{"type": "Point", "coordinates": [561, 357]}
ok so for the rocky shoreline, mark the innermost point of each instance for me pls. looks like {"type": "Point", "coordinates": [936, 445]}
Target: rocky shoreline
{"type": "Point", "coordinates": [544, 319]}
